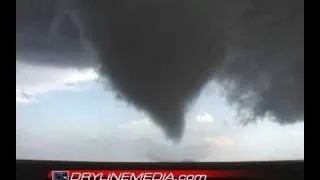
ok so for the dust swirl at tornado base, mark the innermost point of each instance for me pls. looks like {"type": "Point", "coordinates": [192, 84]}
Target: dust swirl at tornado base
{"type": "Point", "coordinates": [158, 55]}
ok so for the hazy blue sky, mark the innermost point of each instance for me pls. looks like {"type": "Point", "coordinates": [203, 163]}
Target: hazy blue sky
{"type": "Point", "coordinates": [66, 114]}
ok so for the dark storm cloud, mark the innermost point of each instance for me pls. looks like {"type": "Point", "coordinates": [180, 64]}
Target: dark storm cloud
{"type": "Point", "coordinates": [47, 33]}
{"type": "Point", "coordinates": [266, 63]}
{"type": "Point", "coordinates": [159, 54]}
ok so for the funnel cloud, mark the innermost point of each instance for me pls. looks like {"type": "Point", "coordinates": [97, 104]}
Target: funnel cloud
{"type": "Point", "coordinates": [158, 55]}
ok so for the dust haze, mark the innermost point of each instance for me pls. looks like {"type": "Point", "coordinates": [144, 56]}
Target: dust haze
{"type": "Point", "coordinates": [158, 55]}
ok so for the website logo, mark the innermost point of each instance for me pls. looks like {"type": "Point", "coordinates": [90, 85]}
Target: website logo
{"type": "Point", "coordinates": [60, 175]}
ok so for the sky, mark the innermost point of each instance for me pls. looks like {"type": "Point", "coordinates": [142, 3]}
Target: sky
{"type": "Point", "coordinates": [68, 114]}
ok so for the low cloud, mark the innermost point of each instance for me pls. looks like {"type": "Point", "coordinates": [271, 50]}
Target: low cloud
{"type": "Point", "coordinates": [141, 140]}
{"type": "Point", "coordinates": [204, 118]}
{"type": "Point", "coordinates": [221, 141]}
{"type": "Point", "coordinates": [33, 81]}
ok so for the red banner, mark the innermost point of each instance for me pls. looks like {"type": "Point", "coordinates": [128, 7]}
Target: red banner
{"type": "Point", "coordinates": [149, 174]}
